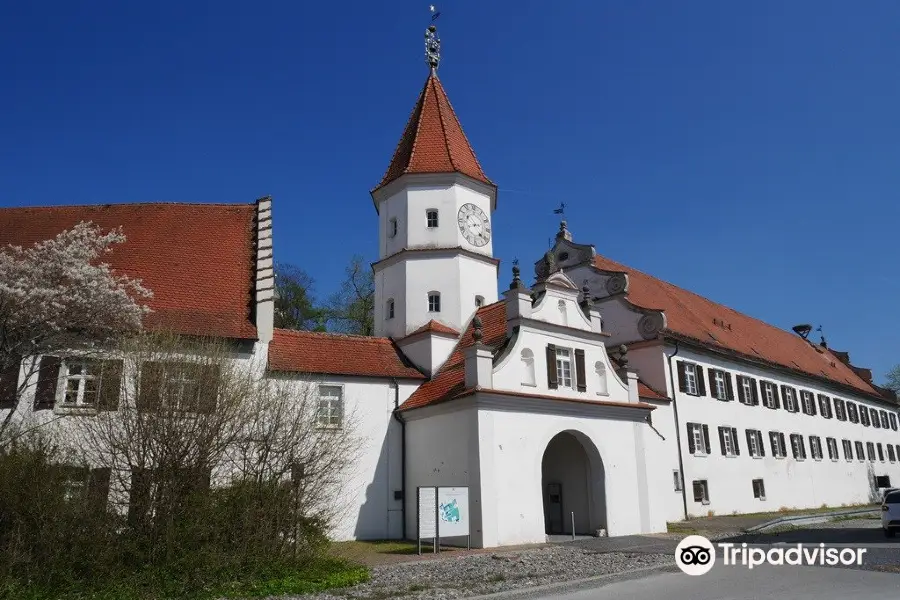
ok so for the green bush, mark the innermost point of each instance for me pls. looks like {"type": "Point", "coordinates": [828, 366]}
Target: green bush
{"type": "Point", "coordinates": [247, 539]}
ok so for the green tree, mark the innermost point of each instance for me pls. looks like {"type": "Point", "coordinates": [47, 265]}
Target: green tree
{"type": "Point", "coordinates": [893, 379]}
{"type": "Point", "coordinates": [352, 308]}
{"type": "Point", "coordinates": [295, 305]}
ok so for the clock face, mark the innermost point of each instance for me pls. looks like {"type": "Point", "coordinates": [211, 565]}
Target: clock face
{"type": "Point", "coordinates": [474, 225]}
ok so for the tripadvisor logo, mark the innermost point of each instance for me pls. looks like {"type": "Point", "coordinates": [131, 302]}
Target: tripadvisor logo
{"type": "Point", "coordinates": [695, 555]}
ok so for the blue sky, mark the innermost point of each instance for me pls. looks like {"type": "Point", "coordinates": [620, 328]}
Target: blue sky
{"type": "Point", "coordinates": [746, 151]}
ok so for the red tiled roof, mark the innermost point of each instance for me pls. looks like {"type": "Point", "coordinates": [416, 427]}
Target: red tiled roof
{"type": "Point", "coordinates": [197, 259]}
{"type": "Point", "coordinates": [714, 325]}
{"type": "Point", "coordinates": [433, 141]}
{"type": "Point", "coordinates": [436, 327]}
{"type": "Point", "coordinates": [645, 391]}
{"type": "Point", "coordinates": [336, 354]}
{"type": "Point", "coordinates": [449, 383]}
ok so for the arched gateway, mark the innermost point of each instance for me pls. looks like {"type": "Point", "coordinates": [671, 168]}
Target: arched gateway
{"type": "Point", "coordinates": [573, 485]}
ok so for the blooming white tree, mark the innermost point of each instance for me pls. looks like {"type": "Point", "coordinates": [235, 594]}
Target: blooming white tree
{"type": "Point", "coordinates": [57, 296]}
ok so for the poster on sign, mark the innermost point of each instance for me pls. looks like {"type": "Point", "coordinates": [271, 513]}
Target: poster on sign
{"type": "Point", "coordinates": [427, 512]}
{"type": "Point", "coordinates": [453, 511]}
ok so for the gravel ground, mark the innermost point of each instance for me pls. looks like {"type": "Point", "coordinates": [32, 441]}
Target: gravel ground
{"type": "Point", "coordinates": [488, 573]}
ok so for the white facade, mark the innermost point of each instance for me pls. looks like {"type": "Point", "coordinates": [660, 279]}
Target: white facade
{"type": "Point", "coordinates": [426, 248]}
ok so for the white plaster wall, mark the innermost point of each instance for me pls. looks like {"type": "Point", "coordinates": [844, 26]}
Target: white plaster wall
{"type": "Point", "coordinates": [442, 450]}
{"type": "Point", "coordinates": [509, 372]}
{"type": "Point", "coordinates": [390, 282]}
{"type": "Point", "coordinates": [369, 510]}
{"type": "Point", "coordinates": [650, 363]}
{"type": "Point", "coordinates": [561, 308]}
{"type": "Point", "coordinates": [513, 445]}
{"type": "Point", "coordinates": [788, 482]}
{"type": "Point", "coordinates": [393, 207]}
{"type": "Point", "coordinates": [449, 275]}
{"type": "Point", "coordinates": [367, 507]}
{"type": "Point", "coordinates": [448, 199]}
{"type": "Point", "coordinates": [428, 352]}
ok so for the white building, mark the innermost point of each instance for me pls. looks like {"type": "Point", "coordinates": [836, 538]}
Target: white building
{"type": "Point", "coordinates": [528, 399]}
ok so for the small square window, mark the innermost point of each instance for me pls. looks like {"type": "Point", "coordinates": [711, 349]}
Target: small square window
{"type": "Point", "coordinates": [701, 491]}
{"type": "Point", "coordinates": [759, 489]}
{"type": "Point", "coordinates": [431, 218]}
{"type": "Point", "coordinates": [434, 302]}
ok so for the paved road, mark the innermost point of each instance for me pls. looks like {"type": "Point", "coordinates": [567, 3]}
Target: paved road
{"type": "Point", "coordinates": [733, 583]}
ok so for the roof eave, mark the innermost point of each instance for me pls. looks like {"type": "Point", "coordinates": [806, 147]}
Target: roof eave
{"type": "Point", "coordinates": [670, 335]}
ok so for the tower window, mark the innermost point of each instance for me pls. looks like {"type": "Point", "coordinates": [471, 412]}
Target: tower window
{"type": "Point", "coordinates": [392, 227]}
{"type": "Point", "coordinates": [431, 217]}
{"type": "Point", "coordinates": [434, 302]}
{"type": "Point", "coordinates": [389, 311]}
{"type": "Point", "coordinates": [479, 300]}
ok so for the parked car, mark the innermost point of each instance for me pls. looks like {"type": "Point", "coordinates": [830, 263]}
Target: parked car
{"type": "Point", "coordinates": [890, 512]}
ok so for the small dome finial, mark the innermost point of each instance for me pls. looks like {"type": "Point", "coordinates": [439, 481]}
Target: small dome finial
{"type": "Point", "coordinates": [517, 280]}
{"type": "Point", "coordinates": [432, 42]}
{"type": "Point", "coordinates": [478, 333]}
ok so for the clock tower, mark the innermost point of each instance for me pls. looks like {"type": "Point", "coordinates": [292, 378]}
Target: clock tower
{"type": "Point", "coordinates": [435, 205]}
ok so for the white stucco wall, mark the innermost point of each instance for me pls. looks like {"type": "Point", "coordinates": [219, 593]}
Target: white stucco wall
{"type": "Point", "coordinates": [442, 450]}
{"type": "Point", "coordinates": [513, 442]}
{"type": "Point", "coordinates": [788, 482]}
{"type": "Point", "coordinates": [409, 279]}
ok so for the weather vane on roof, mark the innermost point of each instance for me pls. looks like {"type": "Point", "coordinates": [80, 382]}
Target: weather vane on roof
{"type": "Point", "coordinates": [432, 41]}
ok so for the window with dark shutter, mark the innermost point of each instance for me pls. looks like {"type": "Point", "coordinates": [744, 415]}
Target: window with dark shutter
{"type": "Point", "coordinates": [737, 445]}
{"type": "Point", "coordinates": [98, 488]}
{"type": "Point", "coordinates": [9, 383]}
{"type": "Point", "coordinates": [713, 389]}
{"type": "Point", "coordinates": [682, 380]}
{"type": "Point", "coordinates": [209, 389]}
{"type": "Point", "coordinates": [580, 382]}
{"type": "Point", "coordinates": [150, 386]}
{"type": "Point", "coordinates": [110, 385]}
{"type": "Point", "coordinates": [48, 376]}
{"type": "Point", "coordinates": [701, 386]}
{"type": "Point", "coordinates": [552, 382]}
{"type": "Point", "coordinates": [706, 438]}
{"type": "Point", "coordinates": [729, 388]}
{"type": "Point", "coordinates": [692, 447]}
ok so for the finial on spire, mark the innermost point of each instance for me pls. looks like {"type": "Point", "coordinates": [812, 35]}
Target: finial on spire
{"type": "Point", "coordinates": [478, 333]}
{"type": "Point", "coordinates": [432, 42]}
{"type": "Point", "coordinates": [517, 281]}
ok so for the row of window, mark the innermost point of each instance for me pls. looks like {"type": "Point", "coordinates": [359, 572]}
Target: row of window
{"type": "Point", "coordinates": [774, 396]}
{"type": "Point", "coordinates": [700, 487]}
{"type": "Point", "coordinates": [699, 445]}
{"type": "Point", "coordinates": [87, 383]}
{"type": "Point", "coordinates": [431, 221]}
{"type": "Point", "coordinates": [434, 304]}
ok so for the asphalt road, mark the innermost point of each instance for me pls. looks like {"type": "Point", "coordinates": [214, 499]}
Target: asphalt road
{"type": "Point", "coordinates": [740, 583]}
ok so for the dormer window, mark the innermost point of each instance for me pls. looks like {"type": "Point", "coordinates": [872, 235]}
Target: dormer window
{"type": "Point", "coordinates": [392, 227]}
{"type": "Point", "coordinates": [431, 218]}
{"type": "Point", "coordinates": [434, 302]}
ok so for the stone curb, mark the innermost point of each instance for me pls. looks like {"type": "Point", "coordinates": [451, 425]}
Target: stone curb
{"type": "Point", "coordinates": [574, 584]}
{"type": "Point", "coordinates": [809, 518]}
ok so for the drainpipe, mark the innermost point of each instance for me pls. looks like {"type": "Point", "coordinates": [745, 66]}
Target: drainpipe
{"type": "Point", "coordinates": [669, 357]}
{"type": "Point", "coordinates": [402, 456]}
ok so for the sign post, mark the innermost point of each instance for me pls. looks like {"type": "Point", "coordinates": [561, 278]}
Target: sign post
{"type": "Point", "coordinates": [426, 516]}
{"type": "Point", "coordinates": [453, 513]}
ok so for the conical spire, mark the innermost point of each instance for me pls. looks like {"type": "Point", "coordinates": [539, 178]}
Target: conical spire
{"type": "Point", "coordinates": [433, 141]}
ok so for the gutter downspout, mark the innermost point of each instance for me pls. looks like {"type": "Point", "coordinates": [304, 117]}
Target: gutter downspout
{"type": "Point", "coordinates": [669, 358]}
{"type": "Point", "coordinates": [400, 420]}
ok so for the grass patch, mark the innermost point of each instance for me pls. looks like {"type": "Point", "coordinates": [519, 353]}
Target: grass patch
{"type": "Point", "coordinates": [157, 585]}
{"type": "Point", "coordinates": [355, 549]}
